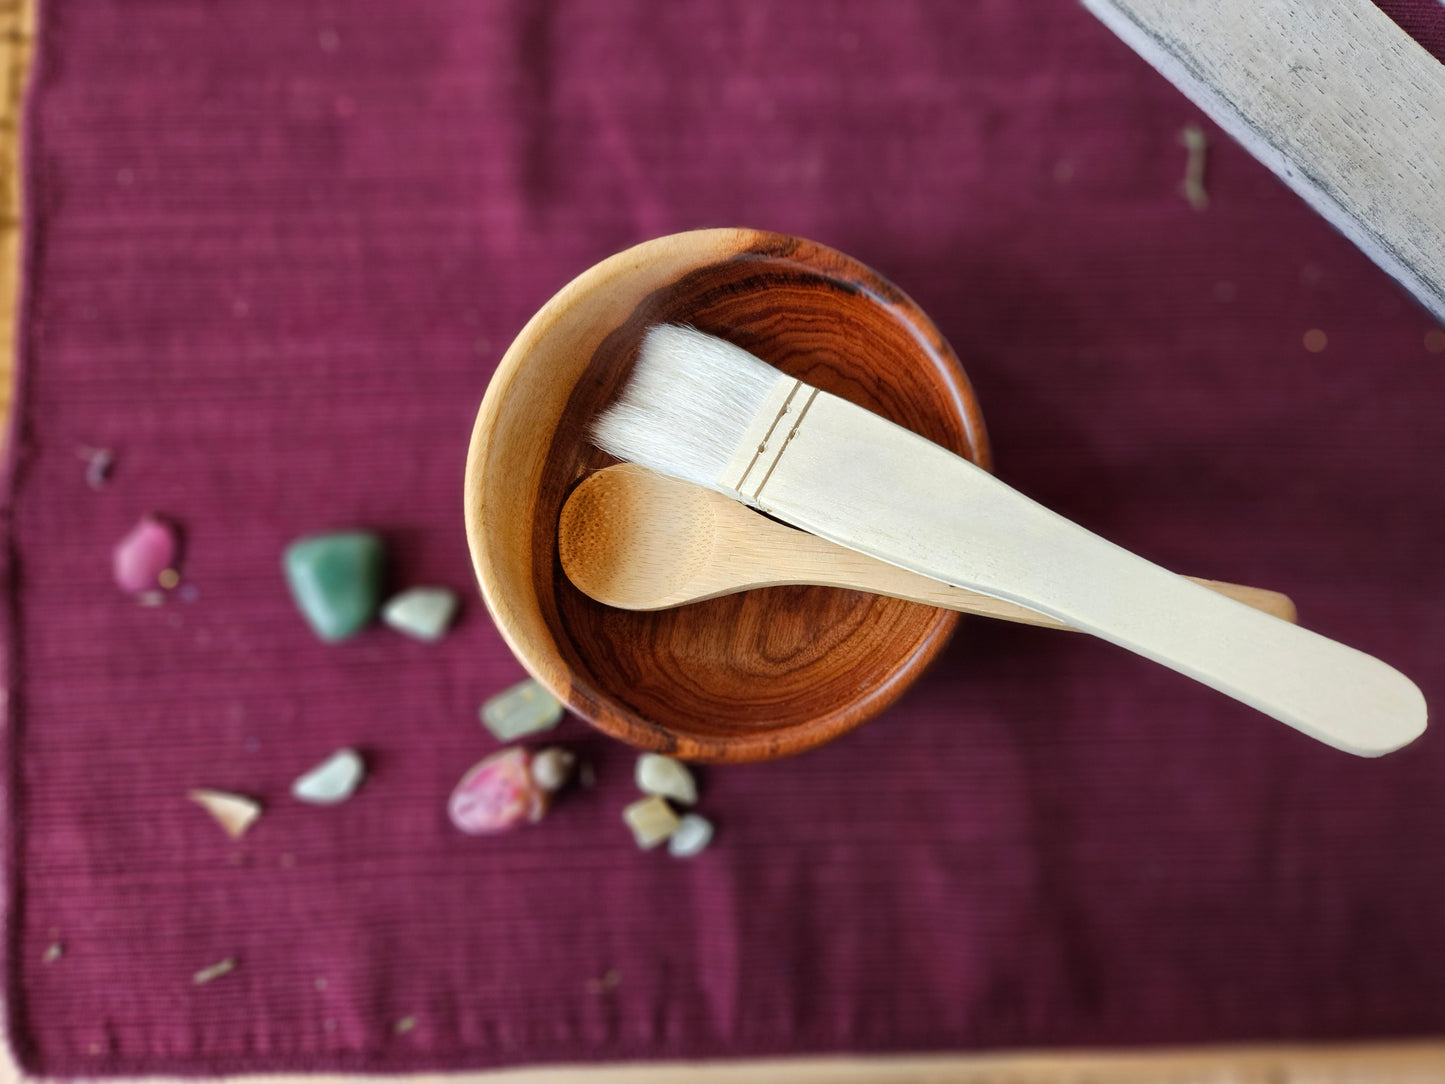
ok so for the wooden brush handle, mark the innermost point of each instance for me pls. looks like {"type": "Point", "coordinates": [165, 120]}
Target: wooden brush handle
{"type": "Point", "coordinates": [858, 480]}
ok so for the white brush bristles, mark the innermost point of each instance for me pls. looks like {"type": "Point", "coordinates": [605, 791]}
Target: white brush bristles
{"type": "Point", "coordinates": [687, 405]}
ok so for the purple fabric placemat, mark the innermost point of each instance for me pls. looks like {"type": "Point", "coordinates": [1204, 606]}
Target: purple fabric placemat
{"type": "Point", "coordinates": [1423, 20]}
{"type": "Point", "coordinates": [274, 251]}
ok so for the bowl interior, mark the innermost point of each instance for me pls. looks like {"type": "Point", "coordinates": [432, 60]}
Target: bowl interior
{"type": "Point", "coordinates": [749, 676]}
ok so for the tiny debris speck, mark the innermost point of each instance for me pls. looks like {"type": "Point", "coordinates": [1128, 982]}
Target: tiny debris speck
{"type": "Point", "coordinates": [98, 463]}
{"type": "Point", "coordinates": [54, 951]}
{"type": "Point", "coordinates": [405, 1024]}
{"type": "Point", "coordinates": [1196, 144]}
{"type": "Point", "coordinates": [215, 971]}
{"type": "Point", "coordinates": [610, 981]}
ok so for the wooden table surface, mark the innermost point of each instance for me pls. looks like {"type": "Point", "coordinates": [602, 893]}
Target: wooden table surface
{"type": "Point", "coordinates": [1422, 1061]}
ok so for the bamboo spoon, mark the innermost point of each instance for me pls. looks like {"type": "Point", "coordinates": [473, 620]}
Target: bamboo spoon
{"type": "Point", "coordinates": [638, 540]}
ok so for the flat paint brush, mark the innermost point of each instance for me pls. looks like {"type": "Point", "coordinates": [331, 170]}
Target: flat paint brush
{"type": "Point", "coordinates": [703, 410]}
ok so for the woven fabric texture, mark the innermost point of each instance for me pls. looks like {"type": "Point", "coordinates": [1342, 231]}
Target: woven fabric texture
{"type": "Point", "coordinates": [275, 250]}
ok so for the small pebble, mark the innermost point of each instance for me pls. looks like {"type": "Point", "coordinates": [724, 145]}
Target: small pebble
{"type": "Point", "coordinates": [693, 834]}
{"type": "Point", "coordinates": [332, 781]}
{"type": "Point", "coordinates": [525, 708]}
{"type": "Point", "coordinates": [233, 812]}
{"type": "Point", "coordinates": [496, 794]}
{"type": "Point", "coordinates": [651, 820]}
{"type": "Point", "coordinates": [552, 767]}
{"type": "Point", "coordinates": [215, 971]}
{"type": "Point", "coordinates": [335, 580]}
{"type": "Point", "coordinates": [657, 774]}
{"type": "Point", "coordinates": [405, 1024]}
{"type": "Point", "coordinates": [143, 554]}
{"type": "Point", "coordinates": [423, 613]}
{"type": "Point", "coordinates": [54, 951]}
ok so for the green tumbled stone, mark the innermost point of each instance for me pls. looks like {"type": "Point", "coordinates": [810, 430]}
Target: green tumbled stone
{"type": "Point", "coordinates": [525, 708]}
{"type": "Point", "coordinates": [336, 581]}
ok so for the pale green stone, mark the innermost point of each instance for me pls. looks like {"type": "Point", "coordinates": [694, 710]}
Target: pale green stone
{"type": "Point", "coordinates": [336, 581]}
{"type": "Point", "coordinates": [333, 780]}
{"type": "Point", "coordinates": [651, 820]}
{"type": "Point", "coordinates": [422, 613]}
{"type": "Point", "coordinates": [524, 709]}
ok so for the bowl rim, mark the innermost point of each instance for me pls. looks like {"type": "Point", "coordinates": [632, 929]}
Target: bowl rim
{"type": "Point", "coordinates": [689, 250]}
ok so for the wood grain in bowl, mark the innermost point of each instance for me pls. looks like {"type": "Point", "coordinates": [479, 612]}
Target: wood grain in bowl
{"type": "Point", "coordinates": [750, 676]}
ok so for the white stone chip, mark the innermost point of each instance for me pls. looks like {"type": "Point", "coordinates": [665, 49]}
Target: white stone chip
{"type": "Point", "coordinates": [662, 775]}
{"type": "Point", "coordinates": [692, 835]}
{"type": "Point", "coordinates": [552, 768]}
{"type": "Point", "coordinates": [233, 812]}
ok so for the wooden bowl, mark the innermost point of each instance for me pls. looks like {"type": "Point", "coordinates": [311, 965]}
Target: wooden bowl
{"type": "Point", "coordinates": [749, 676]}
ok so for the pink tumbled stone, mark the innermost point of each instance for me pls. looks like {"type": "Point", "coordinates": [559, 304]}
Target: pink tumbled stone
{"type": "Point", "coordinates": [497, 794]}
{"type": "Point", "coordinates": [143, 554]}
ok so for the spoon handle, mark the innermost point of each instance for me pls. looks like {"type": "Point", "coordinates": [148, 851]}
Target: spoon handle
{"type": "Point", "coordinates": [852, 477]}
